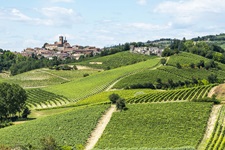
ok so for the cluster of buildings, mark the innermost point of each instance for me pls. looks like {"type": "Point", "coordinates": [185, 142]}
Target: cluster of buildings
{"type": "Point", "coordinates": [62, 49]}
{"type": "Point", "coordinates": [146, 50]}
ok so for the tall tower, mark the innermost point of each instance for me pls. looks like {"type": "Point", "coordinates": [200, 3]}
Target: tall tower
{"type": "Point", "coordinates": [61, 40]}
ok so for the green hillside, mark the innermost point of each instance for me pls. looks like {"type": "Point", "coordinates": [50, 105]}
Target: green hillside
{"type": "Point", "coordinates": [166, 118]}
{"type": "Point", "coordinates": [70, 128]}
{"type": "Point", "coordinates": [168, 125]}
{"type": "Point", "coordinates": [46, 77]}
{"type": "Point", "coordinates": [40, 98]}
{"type": "Point", "coordinates": [81, 88]}
{"type": "Point", "coordinates": [116, 60]}
{"type": "Point", "coordinates": [171, 72]}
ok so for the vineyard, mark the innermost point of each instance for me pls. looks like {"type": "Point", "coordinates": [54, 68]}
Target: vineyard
{"type": "Point", "coordinates": [187, 94]}
{"type": "Point", "coordinates": [116, 60]}
{"type": "Point", "coordinates": [159, 125]}
{"type": "Point", "coordinates": [103, 97]}
{"type": "Point", "coordinates": [39, 98]}
{"type": "Point", "coordinates": [96, 83]}
{"type": "Point", "coordinates": [45, 77]}
{"type": "Point", "coordinates": [217, 140]}
{"type": "Point", "coordinates": [171, 72]}
{"type": "Point", "coordinates": [71, 128]}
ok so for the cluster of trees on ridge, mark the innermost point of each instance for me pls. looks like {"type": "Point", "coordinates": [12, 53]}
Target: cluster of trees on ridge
{"type": "Point", "coordinates": [170, 84]}
{"type": "Point", "coordinates": [12, 103]}
{"type": "Point", "coordinates": [207, 50]}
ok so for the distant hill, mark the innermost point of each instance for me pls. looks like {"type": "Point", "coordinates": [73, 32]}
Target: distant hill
{"type": "Point", "coordinates": [216, 39]}
{"type": "Point", "coordinates": [114, 61]}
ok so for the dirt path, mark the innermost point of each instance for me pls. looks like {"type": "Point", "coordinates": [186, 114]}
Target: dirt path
{"type": "Point", "coordinates": [212, 91]}
{"type": "Point", "coordinates": [210, 126]}
{"type": "Point", "coordinates": [96, 134]}
{"type": "Point", "coordinates": [110, 87]}
{"type": "Point", "coordinates": [55, 75]}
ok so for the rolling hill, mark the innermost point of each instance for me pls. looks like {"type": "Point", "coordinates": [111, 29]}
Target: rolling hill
{"type": "Point", "coordinates": [158, 119]}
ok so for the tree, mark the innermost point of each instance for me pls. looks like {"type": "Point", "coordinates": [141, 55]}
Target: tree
{"type": "Point", "coordinates": [12, 99]}
{"type": "Point", "coordinates": [120, 104]}
{"type": "Point", "coordinates": [26, 112]}
{"type": "Point", "coordinates": [113, 98]}
{"type": "Point", "coordinates": [163, 61]}
{"type": "Point", "coordinates": [212, 78]}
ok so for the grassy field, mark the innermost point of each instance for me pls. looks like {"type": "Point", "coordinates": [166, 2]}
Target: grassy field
{"type": "Point", "coordinates": [116, 60]}
{"type": "Point", "coordinates": [84, 87]}
{"type": "Point", "coordinates": [161, 125]}
{"type": "Point", "coordinates": [69, 128]}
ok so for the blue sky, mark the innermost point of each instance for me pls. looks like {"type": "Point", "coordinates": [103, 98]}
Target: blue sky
{"type": "Point", "coordinates": [31, 23]}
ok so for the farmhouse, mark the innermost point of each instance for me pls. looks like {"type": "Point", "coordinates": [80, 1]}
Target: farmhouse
{"type": "Point", "coordinates": [146, 50]}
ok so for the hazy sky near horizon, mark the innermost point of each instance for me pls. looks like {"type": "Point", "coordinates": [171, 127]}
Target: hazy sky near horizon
{"type": "Point", "coordinates": [31, 23]}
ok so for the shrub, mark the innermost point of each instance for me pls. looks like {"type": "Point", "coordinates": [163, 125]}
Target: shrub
{"type": "Point", "coordinates": [120, 104]}
{"type": "Point", "coordinates": [85, 75]}
{"type": "Point", "coordinates": [113, 98]}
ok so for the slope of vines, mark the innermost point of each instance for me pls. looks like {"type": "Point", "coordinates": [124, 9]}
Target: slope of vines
{"type": "Point", "coordinates": [42, 98]}
{"type": "Point", "coordinates": [157, 125]}
{"type": "Point", "coordinates": [88, 86]}
{"type": "Point", "coordinates": [70, 128]}
{"type": "Point", "coordinates": [217, 140]}
{"type": "Point", "coordinates": [173, 95]}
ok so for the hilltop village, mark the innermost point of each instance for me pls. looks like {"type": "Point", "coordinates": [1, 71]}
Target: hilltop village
{"type": "Point", "coordinates": [62, 49]}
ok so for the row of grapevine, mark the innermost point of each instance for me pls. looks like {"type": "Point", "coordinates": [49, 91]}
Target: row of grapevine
{"type": "Point", "coordinates": [156, 126]}
{"type": "Point", "coordinates": [70, 128]}
{"type": "Point", "coordinates": [217, 140]}
{"type": "Point", "coordinates": [173, 95]}
{"type": "Point", "coordinates": [93, 84]}
{"type": "Point", "coordinates": [40, 98]}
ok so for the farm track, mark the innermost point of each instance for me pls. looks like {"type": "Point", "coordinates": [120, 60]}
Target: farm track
{"type": "Point", "coordinates": [54, 75]}
{"type": "Point", "coordinates": [154, 68]}
{"type": "Point", "coordinates": [212, 91]}
{"type": "Point", "coordinates": [98, 131]}
{"type": "Point", "coordinates": [210, 126]}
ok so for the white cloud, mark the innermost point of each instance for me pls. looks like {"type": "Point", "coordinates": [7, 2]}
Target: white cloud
{"type": "Point", "coordinates": [142, 2]}
{"type": "Point", "coordinates": [51, 16]}
{"type": "Point", "coordinates": [190, 11]}
{"type": "Point", "coordinates": [13, 14]}
{"type": "Point", "coordinates": [59, 16]}
{"type": "Point", "coordinates": [148, 26]}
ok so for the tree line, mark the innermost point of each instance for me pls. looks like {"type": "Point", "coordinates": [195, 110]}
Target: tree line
{"type": "Point", "coordinates": [16, 63]}
{"type": "Point", "coordinates": [207, 50]}
{"type": "Point", "coordinates": [170, 84]}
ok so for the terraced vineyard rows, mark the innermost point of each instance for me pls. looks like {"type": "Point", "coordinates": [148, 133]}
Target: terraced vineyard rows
{"type": "Point", "coordinates": [187, 94]}
{"type": "Point", "coordinates": [157, 125]}
{"type": "Point", "coordinates": [217, 140]}
{"type": "Point", "coordinates": [41, 98]}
